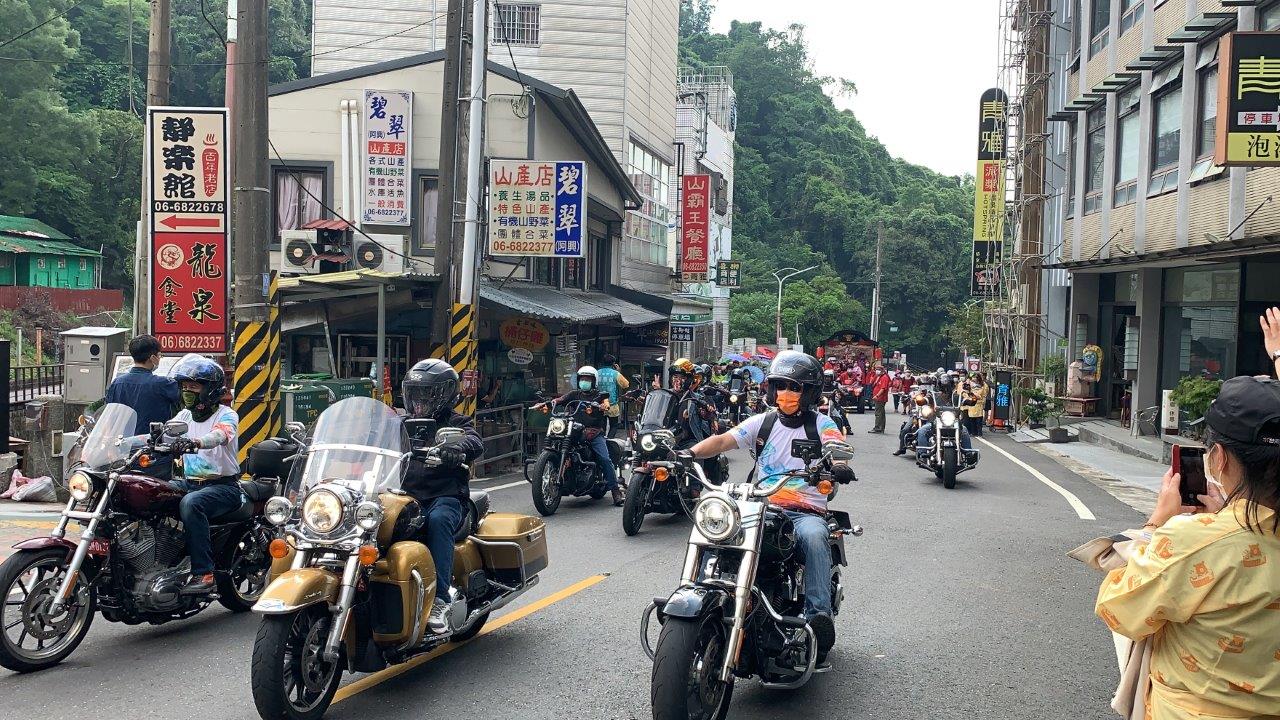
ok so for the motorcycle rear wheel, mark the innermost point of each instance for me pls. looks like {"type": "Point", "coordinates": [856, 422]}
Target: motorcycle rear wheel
{"type": "Point", "coordinates": [546, 485]}
{"type": "Point", "coordinates": [37, 575]}
{"type": "Point", "coordinates": [290, 679]}
{"type": "Point", "coordinates": [686, 665]}
{"type": "Point", "coordinates": [247, 574]}
{"type": "Point", "coordinates": [633, 508]}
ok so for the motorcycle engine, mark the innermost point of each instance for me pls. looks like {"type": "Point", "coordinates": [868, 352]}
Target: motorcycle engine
{"type": "Point", "coordinates": [149, 551]}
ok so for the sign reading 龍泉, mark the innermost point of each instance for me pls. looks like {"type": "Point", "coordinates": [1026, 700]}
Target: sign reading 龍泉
{"type": "Point", "coordinates": [537, 208]}
{"type": "Point", "coordinates": [187, 224]}
{"type": "Point", "coordinates": [695, 226]}
{"type": "Point", "coordinates": [388, 157]}
{"type": "Point", "coordinates": [1248, 131]}
{"type": "Point", "coordinates": [988, 200]}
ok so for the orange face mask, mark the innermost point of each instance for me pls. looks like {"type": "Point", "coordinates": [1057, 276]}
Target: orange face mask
{"type": "Point", "coordinates": [788, 402]}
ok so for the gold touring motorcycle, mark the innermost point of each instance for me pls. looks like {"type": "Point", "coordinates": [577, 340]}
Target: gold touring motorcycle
{"type": "Point", "coordinates": [355, 581]}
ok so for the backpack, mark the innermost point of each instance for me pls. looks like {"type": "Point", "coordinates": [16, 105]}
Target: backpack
{"type": "Point", "coordinates": [766, 429]}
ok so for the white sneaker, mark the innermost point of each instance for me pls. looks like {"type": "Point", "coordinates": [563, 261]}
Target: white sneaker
{"type": "Point", "coordinates": [438, 622]}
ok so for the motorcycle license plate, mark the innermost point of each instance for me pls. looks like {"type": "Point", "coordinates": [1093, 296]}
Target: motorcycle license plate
{"type": "Point", "coordinates": [98, 546]}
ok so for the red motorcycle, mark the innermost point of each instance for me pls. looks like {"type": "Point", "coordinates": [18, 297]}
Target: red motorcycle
{"type": "Point", "coordinates": [130, 559]}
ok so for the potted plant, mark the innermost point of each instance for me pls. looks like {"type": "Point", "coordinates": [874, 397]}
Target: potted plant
{"type": "Point", "coordinates": [1054, 370]}
{"type": "Point", "coordinates": [1035, 406]}
{"type": "Point", "coordinates": [1193, 396]}
{"type": "Point", "coordinates": [1053, 410]}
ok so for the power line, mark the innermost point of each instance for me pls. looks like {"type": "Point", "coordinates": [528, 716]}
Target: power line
{"type": "Point", "coordinates": [27, 32]}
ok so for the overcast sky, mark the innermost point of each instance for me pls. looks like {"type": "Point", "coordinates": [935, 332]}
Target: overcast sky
{"type": "Point", "coordinates": [920, 66]}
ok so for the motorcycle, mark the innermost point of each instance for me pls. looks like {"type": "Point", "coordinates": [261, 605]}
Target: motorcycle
{"type": "Point", "coordinates": [130, 560]}
{"type": "Point", "coordinates": [356, 582]}
{"type": "Point", "coordinates": [945, 457]}
{"type": "Point", "coordinates": [851, 399]}
{"type": "Point", "coordinates": [737, 612]}
{"type": "Point", "coordinates": [656, 485]}
{"type": "Point", "coordinates": [830, 406]}
{"type": "Point", "coordinates": [738, 408]}
{"type": "Point", "coordinates": [566, 466]}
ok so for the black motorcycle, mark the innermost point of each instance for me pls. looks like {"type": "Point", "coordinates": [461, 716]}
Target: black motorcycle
{"type": "Point", "coordinates": [656, 484]}
{"type": "Point", "coordinates": [738, 408]}
{"type": "Point", "coordinates": [566, 466]}
{"type": "Point", "coordinates": [738, 610]}
{"type": "Point", "coordinates": [944, 455]}
{"type": "Point", "coordinates": [830, 406]}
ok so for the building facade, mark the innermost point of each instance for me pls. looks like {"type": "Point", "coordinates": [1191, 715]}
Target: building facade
{"type": "Point", "coordinates": [1171, 258]}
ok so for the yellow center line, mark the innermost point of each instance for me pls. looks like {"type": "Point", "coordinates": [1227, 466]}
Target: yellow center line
{"type": "Point", "coordinates": [382, 676]}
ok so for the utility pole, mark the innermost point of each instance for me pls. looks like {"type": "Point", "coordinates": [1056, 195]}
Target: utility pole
{"type": "Point", "coordinates": [157, 95]}
{"type": "Point", "coordinates": [228, 95]}
{"type": "Point", "coordinates": [256, 348]}
{"type": "Point", "coordinates": [456, 62]}
{"type": "Point", "coordinates": [875, 293]}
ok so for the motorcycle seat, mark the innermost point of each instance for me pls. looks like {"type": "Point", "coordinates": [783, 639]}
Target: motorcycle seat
{"type": "Point", "coordinates": [240, 514]}
{"type": "Point", "coordinates": [258, 490]}
{"type": "Point", "coordinates": [476, 509]}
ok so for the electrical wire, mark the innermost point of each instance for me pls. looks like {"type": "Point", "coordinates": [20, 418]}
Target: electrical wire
{"type": "Point", "coordinates": [506, 39]}
{"type": "Point", "coordinates": [216, 33]}
{"type": "Point", "coordinates": [27, 32]}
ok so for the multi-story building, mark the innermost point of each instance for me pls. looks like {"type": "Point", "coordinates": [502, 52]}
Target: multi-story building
{"type": "Point", "coordinates": [1171, 258]}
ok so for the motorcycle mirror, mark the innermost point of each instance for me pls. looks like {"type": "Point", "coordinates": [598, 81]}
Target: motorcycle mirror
{"type": "Point", "coordinates": [174, 428]}
{"type": "Point", "coordinates": [448, 434]}
{"type": "Point", "coordinates": [295, 428]}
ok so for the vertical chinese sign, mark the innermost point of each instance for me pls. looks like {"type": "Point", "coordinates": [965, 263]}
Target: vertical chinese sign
{"type": "Point", "coordinates": [1248, 129]}
{"type": "Point", "coordinates": [729, 273]}
{"type": "Point", "coordinates": [988, 200]}
{"type": "Point", "coordinates": [695, 227]}
{"type": "Point", "coordinates": [187, 166]}
{"type": "Point", "coordinates": [537, 208]}
{"type": "Point", "coordinates": [388, 157]}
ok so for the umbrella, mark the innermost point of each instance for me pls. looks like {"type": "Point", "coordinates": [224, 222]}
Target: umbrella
{"type": "Point", "coordinates": [757, 375]}
{"type": "Point", "coordinates": [765, 353]}
{"type": "Point", "coordinates": [735, 357]}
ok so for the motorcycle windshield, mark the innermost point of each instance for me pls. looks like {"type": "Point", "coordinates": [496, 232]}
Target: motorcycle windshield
{"type": "Point", "coordinates": [659, 411]}
{"type": "Point", "coordinates": [108, 443]}
{"type": "Point", "coordinates": [360, 443]}
{"type": "Point", "coordinates": [735, 385]}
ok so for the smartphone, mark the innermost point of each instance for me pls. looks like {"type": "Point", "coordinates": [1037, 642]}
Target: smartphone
{"type": "Point", "coordinates": [1189, 463]}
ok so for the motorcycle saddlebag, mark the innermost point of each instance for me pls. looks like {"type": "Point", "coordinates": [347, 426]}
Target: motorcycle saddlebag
{"type": "Point", "coordinates": [511, 543]}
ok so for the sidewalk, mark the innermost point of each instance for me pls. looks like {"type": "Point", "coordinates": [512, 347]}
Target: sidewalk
{"type": "Point", "coordinates": [22, 520]}
{"type": "Point", "coordinates": [1132, 478]}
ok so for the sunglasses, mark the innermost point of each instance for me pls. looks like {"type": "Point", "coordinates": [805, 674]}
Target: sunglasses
{"type": "Point", "coordinates": [787, 385]}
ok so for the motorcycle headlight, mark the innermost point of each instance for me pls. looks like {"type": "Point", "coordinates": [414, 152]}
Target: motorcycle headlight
{"type": "Point", "coordinates": [322, 511]}
{"type": "Point", "coordinates": [557, 427]}
{"type": "Point", "coordinates": [80, 486]}
{"type": "Point", "coordinates": [647, 443]}
{"type": "Point", "coordinates": [947, 418]}
{"type": "Point", "coordinates": [926, 412]}
{"type": "Point", "coordinates": [278, 510]}
{"type": "Point", "coordinates": [368, 515]}
{"type": "Point", "coordinates": [717, 518]}
{"type": "Point", "coordinates": [733, 398]}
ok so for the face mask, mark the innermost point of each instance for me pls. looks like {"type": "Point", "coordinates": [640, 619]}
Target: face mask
{"type": "Point", "coordinates": [1208, 475]}
{"type": "Point", "coordinates": [189, 399]}
{"type": "Point", "coordinates": [584, 384]}
{"type": "Point", "coordinates": [788, 402]}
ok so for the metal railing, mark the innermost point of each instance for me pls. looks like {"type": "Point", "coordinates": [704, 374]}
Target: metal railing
{"type": "Point", "coordinates": [502, 431]}
{"type": "Point", "coordinates": [27, 382]}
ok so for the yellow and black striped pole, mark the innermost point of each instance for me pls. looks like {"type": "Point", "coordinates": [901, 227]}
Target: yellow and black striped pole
{"type": "Point", "coordinates": [256, 375]}
{"type": "Point", "coordinates": [462, 350]}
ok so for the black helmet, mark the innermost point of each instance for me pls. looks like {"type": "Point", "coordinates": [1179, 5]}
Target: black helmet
{"type": "Point", "coordinates": [702, 374]}
{"type": "Point", "coordinates": [430, 388]}
{"type": "Point", "coordinates": [212, 379]}
{"type": "Point", "coordinates": [798, 367]}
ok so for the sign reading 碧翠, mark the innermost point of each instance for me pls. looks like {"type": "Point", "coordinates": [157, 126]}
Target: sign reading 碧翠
{"type": "Point", "coordinates": [537, 208]}
{"type": "Point", "coordinates": [1248, 127]}
{"type": "Point", "coordinates": [388, 157]}
{"type": "Point", "coordinates": [187, 224]}
{"type": "Point", "coordinates": [695, 226]}
{"type": "Point", "coordinates": [988, 200]}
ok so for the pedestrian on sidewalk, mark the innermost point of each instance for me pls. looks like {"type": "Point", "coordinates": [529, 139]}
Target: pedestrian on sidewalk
{"type": "Point", "coordinates": [880, 384]}
{"type": "Point", "coordinates": [153, 397]}
{"type": "Point", "coordinates": [976, 396]}
{"type": "Point", "coordinates": [1206, 586]}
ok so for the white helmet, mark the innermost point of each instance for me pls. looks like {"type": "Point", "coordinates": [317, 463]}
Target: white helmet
{"type": "Point", "coordinates": [590, 372]}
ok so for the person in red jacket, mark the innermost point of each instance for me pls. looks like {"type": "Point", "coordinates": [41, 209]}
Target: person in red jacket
{"type": "Point", "coordinates": [880, 385]}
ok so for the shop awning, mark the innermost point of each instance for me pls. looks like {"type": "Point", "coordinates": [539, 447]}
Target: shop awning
{"type": "Point", "coordinates": [544, 302]}
{"type": "Point", "coordinates": [632, 315]}
{"type": "Point", "coordinates": [1217, 251]}
{"type": "Point", "coordinates": [348, 283]}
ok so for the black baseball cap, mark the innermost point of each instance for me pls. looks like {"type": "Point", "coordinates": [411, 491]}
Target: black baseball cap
{"type": "Point", "coordinates": [1243, 407]}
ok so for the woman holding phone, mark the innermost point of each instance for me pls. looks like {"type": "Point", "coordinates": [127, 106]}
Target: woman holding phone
{"type": "Point", "coordinates": [1207, 584]}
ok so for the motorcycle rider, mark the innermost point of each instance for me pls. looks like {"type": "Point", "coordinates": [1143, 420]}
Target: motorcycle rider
{"type": "Point", "coordinates": [209, 452]}
{"type": "Point", "coordinates": [586, 383]}
{"type": "Point", "coordinates": [795, 387]}
{"type": "Point", "coordinates": [916, 401]}
{"type": "Point", "coordinates": [924, 441]}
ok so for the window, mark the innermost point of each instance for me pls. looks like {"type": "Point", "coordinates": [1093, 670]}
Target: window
{"type": "Point", "coordinates": [1200, 312]}
{"type": "Point", "coordinates": [1071, 169]}
{"type": "Point", "coordinates": [1166, 131]}
{"type": "Point", "coordinates": [429, 199]}
{"type": "Point", "coordinates": [1127, 147]}
{"type": "Point", "coordinates": [1096, 152]}
{"type": "Point", "coordinates": [297, 204]}
{"type": "Point", "coordinates": [1206, 114]}
{"type": "Point", "coordinates": [62, 263]}
{"type": "Point", "coordinates": [84, 264]}
{"type": "Point", "coordinates": [1099, 23]}
{"type": "Point", "coordinates": [1076, 19]}
{"type": "Point", "coordinates": [516, 23]}
{"type": "Point", "coordinates": [1269, 19]}
{"type": "Point", "coordinates": [1130, 14]}
{"type": "Point", "coordinates": [645, 229]}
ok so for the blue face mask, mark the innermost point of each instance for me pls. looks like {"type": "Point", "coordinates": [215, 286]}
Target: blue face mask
{"type": "Point", "coordinates": [584, 384]}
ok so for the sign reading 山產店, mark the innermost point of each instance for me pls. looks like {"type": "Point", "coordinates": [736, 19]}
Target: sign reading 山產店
{"type": "Point", "coordinates": [1248, 129]}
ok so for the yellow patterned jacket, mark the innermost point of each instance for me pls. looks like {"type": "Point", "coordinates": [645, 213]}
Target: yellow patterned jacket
{"type": "Point", "coordinates": [1208, 589]}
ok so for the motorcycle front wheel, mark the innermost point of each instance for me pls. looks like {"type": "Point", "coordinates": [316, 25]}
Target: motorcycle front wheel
{"type": "Point", "coordinates": [686, 671]}
{"type": "Point", "coordinates": [291, 680]}
{"type": "Point", "coordinates": [949, 469]}
{"type": "Point", "coordinates": [31, 637]}
{"type": "Point", "coordinates": [546, 485]}
{"type": "Point", "coordinates": [633, 508]}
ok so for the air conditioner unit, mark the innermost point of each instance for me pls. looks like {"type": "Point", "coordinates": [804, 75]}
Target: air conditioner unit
{"type": "Point", "coordinates": [378, 252]}
{"type": "Point", "coordinates": [298, 250]}
{"type": "Point", "coordinates": [722, 194]}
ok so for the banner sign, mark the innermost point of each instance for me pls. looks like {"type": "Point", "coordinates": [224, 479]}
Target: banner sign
{"type": "Point", "coordinates": [525, 333]}
{"type": "Point", "coordinates": [1248, 128]}
{"type": "Point", "coordinates": [388, 157]}
{"type": "Point", "coordinates": [988, 201]}
{"type": "Point", "coordinates": [1003, 398]}
{"type": "Point", "coordinates": [681, 333]}
{"type": "Point", "coordinates": [537, 208]}
{"type": "Point", "coordinates": [695, 227]}
{"type": "Point", "coordinates": [729, 273]}
{"type": "Point", "coordinates": [187, 223]}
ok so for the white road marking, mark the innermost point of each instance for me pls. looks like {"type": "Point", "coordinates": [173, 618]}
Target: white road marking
{"type": "Point", "coordinates": [517, 483]}
{"type": "Point", "coordinates": [1081, 509]}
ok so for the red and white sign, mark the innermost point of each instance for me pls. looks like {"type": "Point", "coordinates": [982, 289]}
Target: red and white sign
{"type": "Point", "coordinates": [388, 158]}
{"type": "Point", "coordinates": [695, 227]}
{"type": "Point", "coordinates": [188, 214]}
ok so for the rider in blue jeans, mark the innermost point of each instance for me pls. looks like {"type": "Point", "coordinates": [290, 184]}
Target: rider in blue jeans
{"type": "Point", "coordinates": [587, 384]}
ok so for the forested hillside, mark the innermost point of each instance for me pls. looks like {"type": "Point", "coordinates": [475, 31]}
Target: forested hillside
{"type": "Point", "coordinates": [811, 185]}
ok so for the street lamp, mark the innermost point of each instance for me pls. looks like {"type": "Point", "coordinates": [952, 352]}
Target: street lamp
{"type": "Point", "coordinates": [781, 279]}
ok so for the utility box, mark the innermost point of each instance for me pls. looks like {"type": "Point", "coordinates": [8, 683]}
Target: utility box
{"type": "Point", "coordinates": [87, 358]}
{"type": "Point", "coordinates": [303, 403]}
